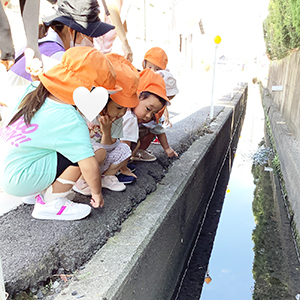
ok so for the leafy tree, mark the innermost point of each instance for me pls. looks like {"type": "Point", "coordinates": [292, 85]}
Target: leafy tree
{"type": "Point", "coordinates": [282, 28]}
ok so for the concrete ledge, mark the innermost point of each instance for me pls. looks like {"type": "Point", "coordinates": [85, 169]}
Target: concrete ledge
{"type": "Point", "coordinates": [288, 150]}
{"type": "Point", "coordinates": [145, 259]}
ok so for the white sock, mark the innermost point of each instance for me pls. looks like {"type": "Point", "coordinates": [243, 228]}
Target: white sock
{"type": "Point", "coordinates": [50, 196]}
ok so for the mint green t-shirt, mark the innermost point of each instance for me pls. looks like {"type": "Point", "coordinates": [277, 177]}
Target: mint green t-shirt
{"type": "Point", "coordinates": [28, 159]}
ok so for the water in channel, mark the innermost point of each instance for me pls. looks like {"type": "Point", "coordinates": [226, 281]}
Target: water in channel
{"type": "Point", "coordinates": [252, 251]}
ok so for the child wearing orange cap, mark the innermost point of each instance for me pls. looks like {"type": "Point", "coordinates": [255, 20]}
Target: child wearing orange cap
{"type": "Point", "coordinates": [155, 59]}
{"type": "Point", "coordinates": [148, 130]}
{"type": "Point", "coordinates": [155, 127]}
{"type": "Point", "coordinates": [109, 151]}
{"type": "Point", "coordinates": [46, 144]}
{"type": "Point", "coordinates": [152, 98]}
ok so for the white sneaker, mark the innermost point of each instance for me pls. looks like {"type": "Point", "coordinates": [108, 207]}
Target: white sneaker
{"type": "Point", "coordinates": [59, 209]}
{"type": "Point", "coordinates": [112, 183]}
{"type": "Point", "coordinates": [29, 199]}
{"type": "Point", "coordinates": [82, 187]}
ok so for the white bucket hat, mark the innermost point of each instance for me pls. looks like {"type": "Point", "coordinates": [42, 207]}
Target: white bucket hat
{"type": "Point", "coordinates": [170, 82]}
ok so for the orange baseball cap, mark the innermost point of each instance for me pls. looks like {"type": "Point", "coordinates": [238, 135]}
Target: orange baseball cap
{"type": "Point", "coordinates": [80, 66]}
{"type": "Point", "coordinates": [157, 56]}
{"type": "Point", "coordinates": [152, 82]}
{"type": "Point", "coordinates": [128, 78]}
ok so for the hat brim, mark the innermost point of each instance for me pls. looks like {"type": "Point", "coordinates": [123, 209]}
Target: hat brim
{"type": "Point", "coordinates": [125, 101]}
{"type": "Point", "coordinates": [58, 84]}
{"type": "Point", "coordinates": [115, 90]}
{"type": "Point", "coordinates": [158, 94]}
{"type": "Point", "coordinates": [93, 29]}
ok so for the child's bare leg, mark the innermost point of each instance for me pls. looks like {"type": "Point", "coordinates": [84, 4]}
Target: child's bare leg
{"type": "Point", "coordinates": [125, 170]}
{"type": "Point", "coordinates": [113, 169]}
{"type": "Point", "coordinates": [71, 174]}
{"type": "Point", "coordinates": [146, 140]}
{"type": "Point", "coordinates": [136, 148]}
{"type": "Point", "coordinates": [61, 187]}
{"type": "Point", "coordinates": [100, 155]}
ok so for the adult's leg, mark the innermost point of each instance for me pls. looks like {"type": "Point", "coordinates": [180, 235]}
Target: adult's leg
{"type": "Point", "coordinates": [6, 43]}
{"type": "Point", "coordinates": [30, 13]}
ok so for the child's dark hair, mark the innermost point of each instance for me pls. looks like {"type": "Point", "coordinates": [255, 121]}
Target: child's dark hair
{"type": "Point", "coordinates": [145, 95]}
{"type": "Point", "coordinates": [104, 110]}
{"type": "Point", "coordinates": [56, 26]}
{"type": "Point", "coordinates": [30, 104]}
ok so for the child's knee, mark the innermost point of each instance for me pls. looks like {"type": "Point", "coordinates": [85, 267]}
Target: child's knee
{"type": "Point", "coordinates": [100, 155]}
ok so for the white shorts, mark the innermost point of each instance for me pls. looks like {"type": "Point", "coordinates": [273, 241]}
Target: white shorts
{"type": "Point", "coordinates": [115, 153]}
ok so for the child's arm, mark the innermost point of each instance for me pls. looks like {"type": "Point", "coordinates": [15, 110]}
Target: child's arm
{"type": "Point", "coordinates": [90, 171]}
{"type": "Point", "coordinates": [105, 124]}
{"type": "Point", "coordinates": [164, 142]}
{"type": "Point", "coordinates": [167, 117]}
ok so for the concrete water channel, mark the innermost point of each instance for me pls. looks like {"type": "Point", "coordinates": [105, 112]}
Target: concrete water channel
{"type": "Point", "coordinates": [253, 255]}
{"type": "Point", "coordinates": [144, 265]}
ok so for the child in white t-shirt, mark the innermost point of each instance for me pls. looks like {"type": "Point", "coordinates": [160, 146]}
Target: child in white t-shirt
{"type": "Point", "coordinates": [152, 98]}
{"type": "Point", "coordinates": [155, 128]}
{"type": "Point", "coordinates": [107, 129]}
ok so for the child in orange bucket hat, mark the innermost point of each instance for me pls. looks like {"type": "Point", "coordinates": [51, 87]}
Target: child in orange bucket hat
{"type": "Point", "coordinates": [46, 145]}
{"type": "Point", "coordinates": [107, 127]}
{"type": "Point", "coordinates": [155, 128]}
{"type": "Point", "coordinates": [155, 59]}
{"type": "Point", "coordinates": [152, 98]}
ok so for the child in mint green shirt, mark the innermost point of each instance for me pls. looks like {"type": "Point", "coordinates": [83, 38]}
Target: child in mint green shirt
{"type": "Point", "coordinates": [46, 146]}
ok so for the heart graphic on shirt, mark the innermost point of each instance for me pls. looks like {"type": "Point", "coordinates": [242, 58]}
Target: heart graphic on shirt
{"type": "Point", "coordinates": [91, 103]}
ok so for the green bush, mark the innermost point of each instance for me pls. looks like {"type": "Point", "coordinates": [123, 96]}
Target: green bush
{"type": "Point", "coordinates": [282, 28]}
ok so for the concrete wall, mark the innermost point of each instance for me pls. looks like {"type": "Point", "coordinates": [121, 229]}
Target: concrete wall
{"type": "Point", "coordinates": [286, 73]}
{"type": "Point", "coordinates": [145, 260]}
{"type": "Point", "coordinates": [283, 109]}
{"type": "Point", "coordinates": [288, 150]}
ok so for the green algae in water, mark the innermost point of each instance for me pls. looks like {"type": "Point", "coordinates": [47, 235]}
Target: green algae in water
{"type": "Point", "coordinates": [270, 277]}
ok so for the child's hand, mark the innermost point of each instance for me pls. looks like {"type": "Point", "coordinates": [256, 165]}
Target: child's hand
{"type": "Point", "coordinates": [7, 63]}
{"type": "Point", "coordinates": [105, 124]}
{"type": "Point", "coordinates": [97, 200]}
{"type": "Point", "coordinates": [170, 152]}
{"type": "Point", "coordinates": [93, 129]}
{"type": "Point", "coordinates": [33, 64]}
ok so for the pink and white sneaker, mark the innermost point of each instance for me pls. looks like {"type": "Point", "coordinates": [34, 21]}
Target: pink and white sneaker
{"type": "Point", "coordinates": [30, 199]}
{"type": "Point", "coordinates": [59, 209]}
{"type": "Point", "coordinates": [82, 187]}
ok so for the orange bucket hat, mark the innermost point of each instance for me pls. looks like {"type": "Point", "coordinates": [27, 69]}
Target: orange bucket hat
{"type": "Point", "coordinates": [152, 82]}
{"type": "Point", "coordinates": [128, 78]}
{"type": "Point", "coordinates": [80, 66]}
{"type": "Point", "coordinates": [157, 56]}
